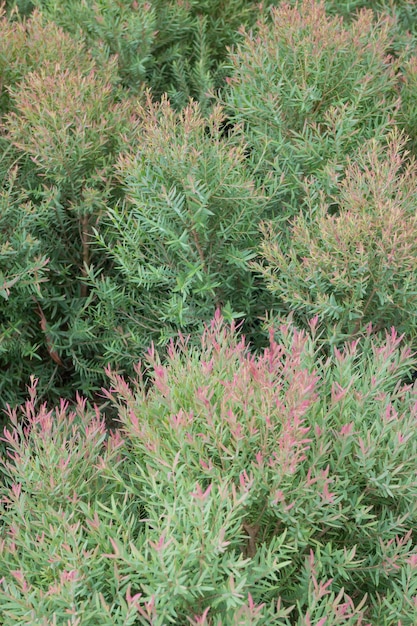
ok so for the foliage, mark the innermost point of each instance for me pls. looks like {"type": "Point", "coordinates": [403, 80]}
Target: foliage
{"type": "Point", "coordinates": [272, 489]}
{"type": "Point", "coordinates": [403, 10]}
{"type": "Point", "coordinates": [190, 51]}
{"type": "Point", "coordinates": [25, 46]}
{"type": "Point", "coordinates": [358, 264]}
{"type": "Point", "coordinates": [182, 239]}
{"type": "Point", "coordinates": [149, 218]}
{"type": "Point", "coordinates": [65, 123]}
{"type": "Point", "coordinates": [62, 131]}
{"type": "Point", "coordinates": [109, 28]}
{"type": "Point", "coordinates": [174, 47]}
{"type": "Point", "coordinates": [244, 484]}
{"type": "Point", "coordinates": [408, 111]}
{"type": "Point", "coordinates": [23, 268]}
{"type": "Point", "coordinates": [308, 90]}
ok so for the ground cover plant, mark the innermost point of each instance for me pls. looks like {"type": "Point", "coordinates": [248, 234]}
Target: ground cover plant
{"type": "Point", "coordinates": [168, 170]}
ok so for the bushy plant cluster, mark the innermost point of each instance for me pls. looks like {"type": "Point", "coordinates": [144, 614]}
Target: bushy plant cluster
{"type": "Point", "coordinates": [140, 213]}
{"type": "Point", "coordinates": [182, 240]}
{"type": "Point", "coordinates": [177, 48]}
{"type": "Point", "coordinates": [170, 169]}
{"type": "Point", "coordinates": [239, 489]}
{"type": "Point", "coordinates": [308, 91]}
{"type": "Point", "coordinates": [354, 265]}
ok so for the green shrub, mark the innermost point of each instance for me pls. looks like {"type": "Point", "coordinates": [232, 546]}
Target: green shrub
{"type": "Point", "coordinates": [358, 265]}
{"type": "Point", "coordinates": [404, 11]}
{"type": "Point", "coordinates": [108, 28]}
{"type": "Point", "coordinates": [174, 47]}
{"type": "Point", "coordinates": [277, 489]}
{"type": "Point", "coordinates": [149, 217]}
{"type": "Point", "coordinates": [63, 129]}
{"type": "Point", "coordinates": [23, 270]}
{"type": "Point", "coordinates": [190, 58]}
{"type": "Point", "coordinates": [26, 46]}
{"type": "Point", "coordinates": [309, 89]}
{"type": "Point", "coordinates": [182, 240]}
{"type": "Point", "coordinates": [408, 111]}
{"type": "Point", "coordinates": [166, 258]}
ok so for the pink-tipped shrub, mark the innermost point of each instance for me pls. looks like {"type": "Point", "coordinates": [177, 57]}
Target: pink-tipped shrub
{"type": "Point", "coordinates": [240, 489]}
{"type": "Point", "coordinates": [308, 89]}
{"type": "Point", "coordinates": [357, 264]}
{"type": "Point", "coordinates": [408, 111]}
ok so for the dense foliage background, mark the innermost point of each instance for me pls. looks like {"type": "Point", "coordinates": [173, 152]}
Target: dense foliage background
{"type": "Point", "coordinates": [128, 215]}
{"type": "Point", "coordinates": [169, 169]}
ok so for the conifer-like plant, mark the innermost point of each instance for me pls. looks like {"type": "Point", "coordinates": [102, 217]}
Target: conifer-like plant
{"type": "Point", "coordinates": [60, 133]}
{"type": "Point", "coordinates": [182, 239]}
{"type": "Point", "coordinates": [277, 489]}
{"type": "Point", "coordinates": [353, 263]}
{"type": "Point", "coordinates": [179, 48]}
{"type": "Point", "coordinates": [308, 89]}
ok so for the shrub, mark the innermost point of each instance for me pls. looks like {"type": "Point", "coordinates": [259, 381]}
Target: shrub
{"type": "Point", "coordinates": [23, 269]}
{"type": "Point", "coordinates": [124, 271]}
{"type": "Point", "coordinates": [182, 239]}
{"type": "Point", "coordinates": [403, 10]}
{"type": "Point", "coordinates": [65, 124]}
{"type": "Point", "coordinates": [309, 89]}
{"type": "Point", "coordinates": [57, 458]}
{"type": "Point", "coordinates": [358, 265]}
{"type": "Point", "coordinates": [272, 489]}
{"type": "Point", "coordinates": [408, 112]}
{"type": "Point", "coordinates": [27, 45]}
{"type": "Point", "coordinates": [63, 129]}
{"type": "Point", "coordinates": [108, 28]}
{"type": "Point", "coordinates": [190, 55]}
{"type": "Point", "coordinates": [174, 47]}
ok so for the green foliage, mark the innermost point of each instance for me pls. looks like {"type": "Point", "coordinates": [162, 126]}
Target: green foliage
{"type": "Point", "coordinates": [308, 90]}
{"type": "Point", "coordinates": [109, 28]}
{"type": "Point", "coordinates": [27, 46]}
{"type": "Point", "coordinates": [277, 489]}
{"type": "Point", "coordinates": [66, 119]}
{"type": "Point", "coordinates": [358, 265]}
{"type": "Point", "coordinates": [182, 240]}
{"type": "Point", "coordinates": [139, 158]}
{"type": "Point", "coordinates": [190, 50]}
{"type": "Point", "coordinates": [23, 268]}
{"type": "Point", "coordinates": [175, 47]}
{"type": "Point", "coordinates": [408, 111]}
{"type": "Point", "coordinates": [148, 211]}
{"type": "Point", "coordinates": [63, 130]}
{"type": "Point", "coordinates": [403, 10]}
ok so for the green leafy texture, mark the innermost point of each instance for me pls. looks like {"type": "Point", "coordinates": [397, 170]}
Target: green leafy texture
{"type": "Point", "coordinates": [174, 47]}
{"type": "Point", "coordinates": [27, 45]}
{"type": "Point", "coordinates": [64, 130]}
{"type": "Point", "coordinates": [404, 11]}
{"type": "Point", "coordinates": [22, 7]}
{"type": "Point", "coordinates": [408, 111]}
{"type": "Point", "coordinates": [305, 91]}
{"type": "Point", "coordinates": [308, 90]}
{"type": "Point", "coordinates": [23, 270]}
{"type": "Point", "coordinates": [182, 240]}
{"type": "Point", "coordinates": [403, 45]}
{"type": "Point", "coordinates": [357, 266]}
{"type": "Point", "coordinates": [64, 126]}
{"type": "Point", "coordinates": [72, 448]}
{"type": "Point", "coordinates": [108, 28]}
{"type": "Point", "coordinates": [277, 489]}
{"type": "Point", "coordinates": [190, 49]}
